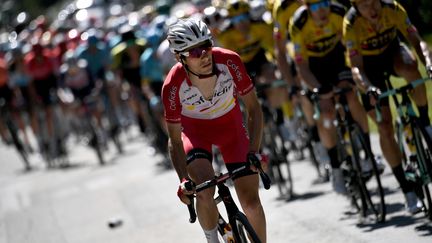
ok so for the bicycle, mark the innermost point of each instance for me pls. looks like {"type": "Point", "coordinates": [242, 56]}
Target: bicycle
{"type": "Point", "coordinates": [364, 186]}
{"type": "Point", "coordinates": [89, 128]}
{"type": "Point", "coordinates": [317, 153]}
{"type": "Point", "coordinates": [414, 142]}
{"type": "Point", "coordinates": [274, 146]}
{"type": "Point", "coordinates": [13, 133]}
{"type": "Point", "coordinates": [242, 231]}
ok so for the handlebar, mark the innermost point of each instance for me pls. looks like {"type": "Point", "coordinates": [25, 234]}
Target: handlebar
{"type": "Point", "coordinates": [219, 180]}
{"type": "Point", "coordinates": [391, 92]}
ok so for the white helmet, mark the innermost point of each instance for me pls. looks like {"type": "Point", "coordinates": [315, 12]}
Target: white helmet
{"type": "Point", "coordinates": [187, 33]}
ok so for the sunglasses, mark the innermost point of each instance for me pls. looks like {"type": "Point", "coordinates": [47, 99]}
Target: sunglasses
{"type": "Point", "coordinates": [197, 52]}
{"type": "Point", "coordinates": [239, 18]}
{"type": "Point", "coordinates": [313, 7]}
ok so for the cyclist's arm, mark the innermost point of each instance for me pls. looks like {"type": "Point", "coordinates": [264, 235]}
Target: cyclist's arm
{"type": "Point", "coordinates": [176, 151]}
{"type": "Point", "coordinates": [420, 47]}
{"type": "Point", "coordinates": [358, 72]}
{"type": "Point", "coordinates": [307, 74]}
{"type": "Point", "coordinates": [281, 59]}
{"type": "Point", "coordinates": [254, 119]}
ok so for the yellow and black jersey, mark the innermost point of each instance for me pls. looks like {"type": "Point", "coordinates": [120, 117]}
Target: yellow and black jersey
{"type": "Point", "coordinates": [283, 10]}
{"type": "Point", "coordinates": [260, 38]}
{"type": "Point", "coordinates": [360, 37]}
{"type": "Point", "coordinates": [310, 40]}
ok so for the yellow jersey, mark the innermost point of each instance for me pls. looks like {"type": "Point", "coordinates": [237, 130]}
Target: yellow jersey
{"type": "Point", "coordinates": [283, 10]}
{"type": "Point", "coordinates": [311, 40]}
{"type": "Point", "coordinates": [260, 36]}
{"type": "Point", "coordinates": [361, 38]}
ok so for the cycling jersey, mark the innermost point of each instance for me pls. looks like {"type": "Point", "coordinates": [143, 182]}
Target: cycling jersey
{"type": "Point", "coordinates": [97, 59]}
{"type": "Point", "coordinates": [311, 40]}
{"type": "Point", "coordinates": [39, 67]}
{"type": "Point", "coordinates": [361, 38]}
{"type": "Point", "coordinates": [217, 121]}
{"type": "Point", "coordinates": [150, 66]}
{"type": "Point", "coordinates": [283, 10]}
{"type": "Point", "coordinates": [181, 99]}
{"type": "Point", "coordinates": [247, 46]}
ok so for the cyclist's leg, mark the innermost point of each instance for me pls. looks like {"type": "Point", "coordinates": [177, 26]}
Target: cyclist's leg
{"type": "Point", "coordinates": [357, 110]}
{"type": "Point", "coordinates": [200, 169]}
{"type": "Point", "coordinates": [234, 147]}
{"type": "Point", "coordinates": [405, 65]}
{"type": "Point", "coordinates": [247, 192]}
{"type": "Point", "coordinates": [388, 143]}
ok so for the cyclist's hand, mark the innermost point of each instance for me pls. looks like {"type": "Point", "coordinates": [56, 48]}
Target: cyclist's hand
{"type": "Point", "coordinates": [322, 93]}
{"type": "Point", "coordinates": [373, 94]}
{"type": "Point", "coordinates": [185, 190]}
{"type": "Point", "coordinates": [257, 160]}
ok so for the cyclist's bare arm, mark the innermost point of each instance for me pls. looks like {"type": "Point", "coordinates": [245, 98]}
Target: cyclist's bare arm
{"type": "Point", "coordinates": [307, 74]}
{"type": "Point", "coordinates": [175, 147]}
{"type": "Point", "coordinates": [420, 47]}
{"type": "Point", "coordinates": [282, 62]}
{"type": "Point", "coordinates": [254, 119]}
{"type": "Point", "coordinates": [358, 73]}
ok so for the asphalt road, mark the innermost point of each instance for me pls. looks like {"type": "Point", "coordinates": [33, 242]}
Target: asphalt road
{"type": "Point", "coordinates": [74, 204]}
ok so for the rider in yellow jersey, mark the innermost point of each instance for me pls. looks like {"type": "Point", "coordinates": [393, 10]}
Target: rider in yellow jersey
{"type": "Point", "coordinates": [316, 33]}
{"type": "Point", "coordinates": [374, 51]}
{"type": "Point", "coordinates": [252, 40]}
{"type": "Point", "coordinates": [283, 10]}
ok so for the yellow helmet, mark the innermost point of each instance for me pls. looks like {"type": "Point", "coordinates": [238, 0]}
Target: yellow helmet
{"type": "Point", "coordinates": [312, 1]}
{"type": "Point", "coordinates": [237, 7]}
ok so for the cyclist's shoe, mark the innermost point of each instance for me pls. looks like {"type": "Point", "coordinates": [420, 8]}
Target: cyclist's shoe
{"type": "Point", "coordinates": [321, 153]}
{"type": "Point", "coordinates": [366, 166]}
{"type": "Point", "coordinates": [413, 203]}
{"type": "Point", "coordinates": [338, 182]}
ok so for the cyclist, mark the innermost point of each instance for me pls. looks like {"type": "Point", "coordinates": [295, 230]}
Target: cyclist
{"type": "Point", "coordinates": [253, 41]}
{"type": "Point", "coordinates": [6, 95]}
{"type": "Point", "coordinates": [200, 96]}
{"type": "Point", "coordinates": [316, 33]}
{"type": "Point", "coordinates": [126, 62]}
{"type": "Point", "coordinates": [42, 70]}
{"type": "Point", "coordinates": [19, 81]}
{"type": "Point", "coordinates": [374, 51]}
{"type": "Point", "coordinates": [283, 10]}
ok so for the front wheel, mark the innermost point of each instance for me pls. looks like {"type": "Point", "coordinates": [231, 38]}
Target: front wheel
{"type": "Point", "coordinates": [243, 231]}
{"type": "Point", "coordinates": [424, 166]}
{"type": "Point", "coordinates": [369, 182]}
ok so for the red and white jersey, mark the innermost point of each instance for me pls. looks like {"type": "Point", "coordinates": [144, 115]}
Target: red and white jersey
{"type": "Point", "coordinates": [181, 98]}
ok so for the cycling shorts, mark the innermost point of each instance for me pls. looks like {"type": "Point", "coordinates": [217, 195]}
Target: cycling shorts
{"type": "Point", "coordinates": [6, 93]}
{"type": "Point", "coordinates": [132, 76]}
{"type": "Point", "coordinates": [254, 66]}
{"type": "Point", "coordinates": [43, 88]}
{"type": "Point", "coordinates": [204, 154]}
{"type": "Point", "coordinates": [378, 69]}
{"type": "Point", "coordinates": [331, 69]}
{"type": "Point", "coordinates": [226, 132]}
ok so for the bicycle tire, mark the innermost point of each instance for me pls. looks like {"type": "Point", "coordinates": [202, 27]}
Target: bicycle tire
{"type": "Point", "coordinates": [243, 231]}
{"type": "Point", "coordinates": [424, 166]}
{"type": "Point", "coordinates": [95, 143]}
{"type": "Point", "coordinates": [279, 165]}
{"type": "Point", "coordinates": [18, 144]}
{"type": "Point", "coordinates": [370, 184]}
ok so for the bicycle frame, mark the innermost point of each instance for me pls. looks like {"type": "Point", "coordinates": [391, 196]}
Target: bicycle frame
{"type": "Point", "coordinates": [406, 115]}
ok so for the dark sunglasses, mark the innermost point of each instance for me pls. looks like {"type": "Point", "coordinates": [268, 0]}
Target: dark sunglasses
{"type": "Point", "coordinates": [313, 7]}
{"type": "Point", "coordinates": [197, 52]}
